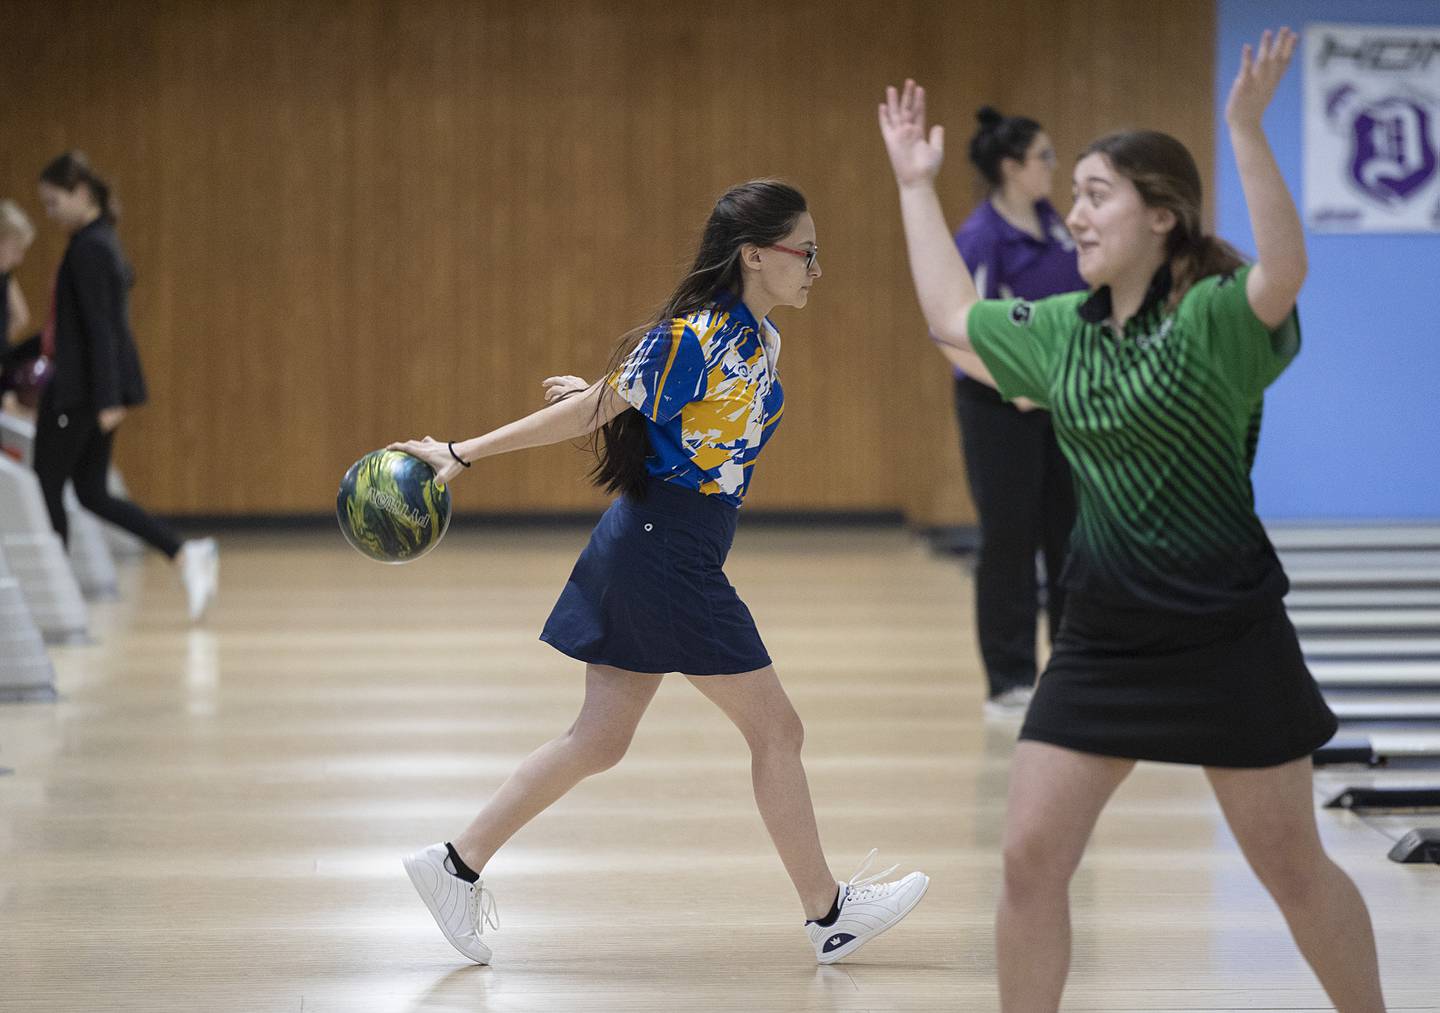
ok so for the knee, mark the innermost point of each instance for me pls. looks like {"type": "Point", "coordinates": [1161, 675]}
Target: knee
{"type": "Point", "coordinates": [1035, 864]}
{"type": "Point", "coordinates": [599, 751]}
{"type": "Point", "coordinates": [1291, 876]}
{"type": "Point", "coordinates": [94, 498]}
{"type": "Point", "coordinates": [783, 735]}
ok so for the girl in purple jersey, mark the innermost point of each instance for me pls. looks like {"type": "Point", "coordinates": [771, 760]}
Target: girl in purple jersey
{"type": "Point", "coordinates": [1024, 496]}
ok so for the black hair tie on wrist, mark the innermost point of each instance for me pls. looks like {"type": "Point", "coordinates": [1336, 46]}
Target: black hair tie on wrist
{"type": "Point", "coordinates": [463, 462]}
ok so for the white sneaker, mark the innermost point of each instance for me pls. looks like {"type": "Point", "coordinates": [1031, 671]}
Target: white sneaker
{"type": "Point", "coordinates": [1010, 704]}
{"type": "Point", "coordinates": [200, 573]}
{"type": "Point", "coordinates": [867, 908]}
{"type": "Point", "coordinates": [461, 909]}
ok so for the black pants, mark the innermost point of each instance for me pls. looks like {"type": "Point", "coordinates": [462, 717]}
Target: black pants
{"type": "Point", "coordinates": [70, 445]}
{"type": "Point", "coordinates": [1025, 498]}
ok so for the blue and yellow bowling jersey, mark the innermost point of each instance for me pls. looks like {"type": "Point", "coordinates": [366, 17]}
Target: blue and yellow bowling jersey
{"type": "Point", "coordinates": [708, 388]}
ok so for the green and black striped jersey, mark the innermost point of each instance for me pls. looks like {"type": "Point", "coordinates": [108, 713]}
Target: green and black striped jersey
{"type": "Point", "coordinates": [1160, 426]}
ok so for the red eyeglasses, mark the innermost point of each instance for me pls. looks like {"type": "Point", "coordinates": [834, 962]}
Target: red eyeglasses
{"type": "Point", "coordinates": [809, 254]}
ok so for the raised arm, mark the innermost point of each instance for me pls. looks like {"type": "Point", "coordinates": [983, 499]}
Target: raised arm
{"type": "Point", "coordinates": [942, 281]}
{"type": "Point", "coordinates": [1275, 280]}
{"type": "Point", "coordinates": [966, 361]}
{"type": "Point", "coordinates": [566, 419]}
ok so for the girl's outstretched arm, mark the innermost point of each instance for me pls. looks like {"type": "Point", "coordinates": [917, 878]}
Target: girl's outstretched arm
{"type": "Point", "coordinates": [1279, 271]}
{"type": "Point", "coordinates": [567, 419]}
{"type": "Point", "coordinates": [942, 281]}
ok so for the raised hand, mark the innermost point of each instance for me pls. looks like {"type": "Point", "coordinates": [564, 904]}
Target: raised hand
{"type": "Point", "coordinates": [914, 157]}
{"type": "Point", "coordinates": [1259, 76]}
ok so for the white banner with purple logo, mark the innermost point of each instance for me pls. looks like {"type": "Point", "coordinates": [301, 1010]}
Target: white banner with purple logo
{"type": "Point", "coordinates": [1372, 110]}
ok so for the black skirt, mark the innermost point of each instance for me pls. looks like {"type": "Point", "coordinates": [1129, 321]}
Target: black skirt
{"type": "Point", "coordinates": [1218, 691]}
{"type": "Point", "coordinates": [649, 593]}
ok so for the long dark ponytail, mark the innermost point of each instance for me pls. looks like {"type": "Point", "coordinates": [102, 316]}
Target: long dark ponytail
{"type": "Point", "coordinates": [1165, 174]}
{"type": "Point", "coordinates": [761, 212]}
{"type": "Point", "coordinates": [72, 169]}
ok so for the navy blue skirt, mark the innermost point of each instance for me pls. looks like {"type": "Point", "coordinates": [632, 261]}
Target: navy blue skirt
{"type": "Point", "coordinates": [649, 593]}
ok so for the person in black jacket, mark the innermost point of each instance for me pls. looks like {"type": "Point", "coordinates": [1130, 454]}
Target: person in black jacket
{"type": "Point", "coordinates": [94, 375]}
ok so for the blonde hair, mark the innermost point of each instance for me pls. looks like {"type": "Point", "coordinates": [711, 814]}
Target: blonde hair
{"type": "Point", "coordinates": [14, 223]}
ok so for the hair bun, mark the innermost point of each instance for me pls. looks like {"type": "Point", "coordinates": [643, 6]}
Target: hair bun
{"type": "Point", "coordinates": [989, 117]}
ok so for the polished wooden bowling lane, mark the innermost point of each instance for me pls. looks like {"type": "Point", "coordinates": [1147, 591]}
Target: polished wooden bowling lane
{"type": "Point", "coordinates": [212, 818]}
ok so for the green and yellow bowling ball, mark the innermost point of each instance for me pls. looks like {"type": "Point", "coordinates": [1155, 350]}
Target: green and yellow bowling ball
{"type": "Point", "coordinates": [391, 508]}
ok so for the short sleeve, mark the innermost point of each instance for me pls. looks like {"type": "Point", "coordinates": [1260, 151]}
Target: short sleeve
{"type": "Point", "coordinates": [1243, 349]}
{"type": "Point", "coordinates": [664, 373]}
{"type": "Point", "coordinates": [1021, 342]}
{"type": "Point", "coordinates": [980, 250]}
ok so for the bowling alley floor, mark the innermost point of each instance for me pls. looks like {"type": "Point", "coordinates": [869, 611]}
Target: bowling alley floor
{"type": "Point", "coordinates": [212, 818]}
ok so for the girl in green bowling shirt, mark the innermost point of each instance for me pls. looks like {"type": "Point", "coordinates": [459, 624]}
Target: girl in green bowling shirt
{"type": "Point", "coordinates": [1175, 645]}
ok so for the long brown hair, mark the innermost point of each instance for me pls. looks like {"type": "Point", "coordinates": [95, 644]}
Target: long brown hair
{"type": "Point", "coordinates": [761, 212]}
{"type": "Point", "coordinates": [1164, 172]}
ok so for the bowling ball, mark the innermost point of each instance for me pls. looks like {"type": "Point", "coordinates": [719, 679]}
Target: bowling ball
{"type": "Point", "coordinates": [391, 508]}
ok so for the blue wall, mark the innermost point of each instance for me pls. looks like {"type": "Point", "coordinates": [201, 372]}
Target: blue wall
{"type": "Point", "coordinates": [1352, 430]}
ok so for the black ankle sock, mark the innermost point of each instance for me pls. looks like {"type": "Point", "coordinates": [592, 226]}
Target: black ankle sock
{"type": "Point", "coordinates": [461, 869]}
{"type": "Point", "coordinates": [829, 919]}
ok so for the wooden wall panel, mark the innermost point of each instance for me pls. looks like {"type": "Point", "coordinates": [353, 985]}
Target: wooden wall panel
{"type": "Point", "coordinates": [355, 221]}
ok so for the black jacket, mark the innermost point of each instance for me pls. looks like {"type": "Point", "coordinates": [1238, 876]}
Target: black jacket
{"type": "Point", "coordinates": [96, 364]}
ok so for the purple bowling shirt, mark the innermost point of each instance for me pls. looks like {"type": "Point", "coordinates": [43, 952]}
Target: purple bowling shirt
{"type": "Point", "coordinates": [1009, 263]}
